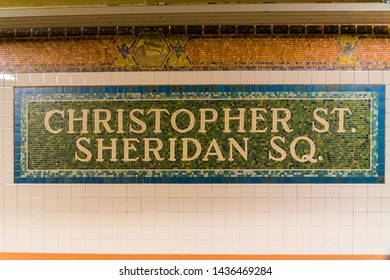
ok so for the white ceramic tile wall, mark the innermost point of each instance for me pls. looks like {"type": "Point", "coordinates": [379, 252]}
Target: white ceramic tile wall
{"type": "Point", "coordinates": [190, 219]}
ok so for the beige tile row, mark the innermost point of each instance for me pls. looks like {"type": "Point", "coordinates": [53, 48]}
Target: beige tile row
{"type": "Point", "coordinates": [195, 77]}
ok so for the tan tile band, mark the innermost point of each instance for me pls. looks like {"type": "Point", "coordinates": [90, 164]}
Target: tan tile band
{"type": "Point", "coordinates": [60, 256]}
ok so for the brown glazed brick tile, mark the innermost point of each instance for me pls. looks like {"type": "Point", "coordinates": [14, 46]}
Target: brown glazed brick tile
{"type": "Point", "coordinates": [373, 50]}
{"type": "Point", "coordinates": [269, 49]}
{"type": "Point", "coordinates": [57, 54]}
{"type": "Point", "coordinates": [234, 47]}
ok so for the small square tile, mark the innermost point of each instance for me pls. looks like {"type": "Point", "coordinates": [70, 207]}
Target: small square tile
{"type": "Point", "coordinates": [304, 77]}
{"type": "Point", "coordinates": [161, 78]}
{"type": "Point", "coordinates": [233, 77]}
{"type": "Point", "coordinates": [318, 77]}
{"type": "Point", "coordinates": [133, 78]}
{"type": "Point", "coordinates": [49, 79]}
{"type": "Point", "coordinates": [175, 78]}
{"type": "Point", "coordinates": [218, 77]}
{"type": "Point", "coordinates": [36, 79]}
{"type": "Point", "coordinates": [290, 77]}
{"type": "Point", "coordinates": [361, 77]}
{"type": "Point", "coordinates": [104, 78]}
{"type": "Point", "coordinates": [203, 77]}
{"type": "Point", "coordinates": [22, 80]}
{"type": "Point", "coordinates": [332, 77]}
{"type": "Point", "coordinates": [347, 77]}
{"type": "Point", "coordinates": [63, 79]}
{"type": "Point", "coordinates": [9, 80]}
{"type": "Point", "coordinates": [190, 77]}
{"type": "Point", "coordinates": [247, 77]}
{"type": "Point", "coordinates": [146, 78]}
{"type": "Point", "coordinates": [386, 77]}
{"type": "Point", "coordinates": [375, 77]}
{"type": "Point", "coordinates": [119, 78]}
{"type": "Point", "coordinates": [276, 77]}
{"type": "Point", "coordinates": [262, 77]}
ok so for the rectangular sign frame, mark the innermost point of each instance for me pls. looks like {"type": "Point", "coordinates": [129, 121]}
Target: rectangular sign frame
{"type": "Point", "coordinates": [289, 122]}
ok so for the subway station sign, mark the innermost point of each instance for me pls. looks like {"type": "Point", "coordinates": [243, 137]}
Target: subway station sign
{"type": "Point", "coordinates": [200, 134]}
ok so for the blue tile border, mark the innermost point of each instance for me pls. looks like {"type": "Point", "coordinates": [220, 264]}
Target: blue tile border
{"type": "Point", "coordinates": [375, 175]}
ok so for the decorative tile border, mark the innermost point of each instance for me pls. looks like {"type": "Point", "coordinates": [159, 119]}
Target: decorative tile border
{"type": "Point", "coordinates": [191, 48]}
{"type": "Point", "coordinates": [90, 32]}
{"type": "Point", "coordinates": [302, 134]}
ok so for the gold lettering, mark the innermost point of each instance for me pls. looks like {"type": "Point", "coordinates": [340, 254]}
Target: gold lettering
{"type": "Point", "coordinates": [282, 152]}
{"type": "Point", "coordinates": [155, 150]}
{"type": "Point", "coordinates": [185, 149]}
{"type": "Point", "coordinates": [81, 148]}
{"type": "Point", "coordinates": [138, 121]}
{"type": "Point", "coordinates": [213, 150]}
{"type": "Point", "coordinates": [127, 148]}
{"type": "Point", "coordinates": [307, 157]}
{"type": "Point", "coordinates": [190, 125]}
{"type": "Point", "coordinates": [240, 118]}
{"type": "Point", "coordinates": [283, 121]}
{"type": "Point", "coordinates": [46, 121]}
{"type": "Point", "coordinates": [255, 117]}
{"type": "Point", "coordinates": [172, 151]}
{"type": "Point", "coordinates": [204, 120]}
{"type": "Point", "coordinates": [83, 119]}
{"type": "Point", "coordinates": [120, 121]}
{"type": "Point", "coordinates": [234, 144]}
{"type": "Point", "coordinates": [101, 148]}
{"type": "Point", "coordinates": [104, 121]}
{"type": "Point", "coordinates": [322, 121]}
{"type": "Point", "coordinates": [341, 112]}
{"type": "Point", "coordinates": [157, 122]}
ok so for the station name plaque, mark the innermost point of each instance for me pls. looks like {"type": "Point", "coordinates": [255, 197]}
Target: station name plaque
{"type": "Point", "coordinates": [200, 134]}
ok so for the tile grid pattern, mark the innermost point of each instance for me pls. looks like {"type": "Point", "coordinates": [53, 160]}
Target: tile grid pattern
{"type": "Point", "coordinates": [231, 219]}
{"type": "Point", "coordinates": [93, 32]}
{"type": "Point", "coordinates": [256, 170]}
{"type": "Point", "coordinates": [155, 50]}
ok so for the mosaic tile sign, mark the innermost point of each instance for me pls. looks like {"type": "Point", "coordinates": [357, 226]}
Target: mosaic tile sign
{"type": "Point", "coordinates": [200, 134]}
{"type": "Point", "coordinates": [195, 48]}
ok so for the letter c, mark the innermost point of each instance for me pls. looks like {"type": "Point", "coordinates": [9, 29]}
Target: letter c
{"type": "Point", "coordinates": [48, 115]}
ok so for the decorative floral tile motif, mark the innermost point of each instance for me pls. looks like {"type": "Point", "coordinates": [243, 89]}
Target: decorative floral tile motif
{"type": "Point", "coordinates": [226, 47]}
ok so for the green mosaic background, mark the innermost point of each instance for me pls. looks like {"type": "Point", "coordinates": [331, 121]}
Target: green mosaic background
{"type": "Point", "coordinates": [349, 150]}
{"type": "Point", "coordinates": [350, 157]}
